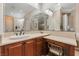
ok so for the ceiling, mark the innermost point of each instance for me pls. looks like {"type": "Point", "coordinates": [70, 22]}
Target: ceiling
{"type": "Point", "coordinates": [21, 9]}
{"type": "Point", "coordinates": [67, 7]}
{"type": "Point", "coordinates": [17, 9]}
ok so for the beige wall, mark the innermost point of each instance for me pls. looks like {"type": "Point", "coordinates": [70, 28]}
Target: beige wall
{"type": "Point", "coordinates": [1, 18]}
{"type": "Point", "coordinates": [57, 20]}
{"type": "Point", "coordinates": [77, 21]}
{"type": "Point", "coordinates": [72, 19]}
{"type": "Point", "coordinates": [77, 17]}
{"type": "Point", "coordinates": [54, 21]}
{"type": "Point", "coordinates": [27, 22]}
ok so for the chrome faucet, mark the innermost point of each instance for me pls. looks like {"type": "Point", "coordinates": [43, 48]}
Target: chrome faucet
{"type": "Point", "coordinates": [21, 32]}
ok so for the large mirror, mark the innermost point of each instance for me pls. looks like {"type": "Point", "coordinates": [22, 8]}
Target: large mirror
{"type": "Point", "coordinates": [39, 21]}
{"type": "Point", "coordinates": [44, 16]}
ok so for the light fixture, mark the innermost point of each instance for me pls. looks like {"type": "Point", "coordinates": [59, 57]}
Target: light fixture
{"type": "Point", "coordinates": [49, 12]}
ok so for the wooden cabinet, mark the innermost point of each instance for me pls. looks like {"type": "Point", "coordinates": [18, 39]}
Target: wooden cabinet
{"type": "Point", "coordinates": [29, 47]}
{"type": "Point", "coordinates": [45, 47]}
{"type": "Point", "coordinates": [2, 51]}
{"type": "Point", "coordinates": [68, 50]}
{"type": "Point", "coordinates": [39, 47]}
{"type": "Point", "coordinates": [34, 47]}
{"type": "Point", "coordinates": [15, 49]}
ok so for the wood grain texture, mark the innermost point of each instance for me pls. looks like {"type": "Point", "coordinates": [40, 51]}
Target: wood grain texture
{"type": "Point", "coordinates": [14, 49]}
{"type": "Point", "coordinates": [68, 49]}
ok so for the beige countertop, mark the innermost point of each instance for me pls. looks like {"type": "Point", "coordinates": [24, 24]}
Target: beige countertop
{"type": "Point", "coordinates": [66, 40]}
{"type": "Point", "coordinates": [8, 40]}
{"type": "Point", "coordinates": [65, 37]}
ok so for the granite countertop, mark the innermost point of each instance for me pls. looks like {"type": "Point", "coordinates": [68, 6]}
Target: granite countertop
{"type": "Point", "coordinates": [65, 40]}
{"type": "Point", "coordinates": [7, 40]}
{"type": "Point", "coordinates": [68, 38]}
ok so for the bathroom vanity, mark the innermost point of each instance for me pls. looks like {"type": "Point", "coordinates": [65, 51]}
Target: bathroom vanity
{"type": "Point", "coordinates": [59, 21]}
{"type": "Point", "coordinates": [30, 46]}
{"type": "Point", "coordinates": [36, 45]}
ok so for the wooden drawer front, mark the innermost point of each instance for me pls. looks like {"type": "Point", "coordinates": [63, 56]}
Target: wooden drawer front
{"type": "Point", "coordinates": [57, 43]}
{"type": "Point", "coordinates": [68, 49]}
{"type": "Point", "coordinates": [54, 45]}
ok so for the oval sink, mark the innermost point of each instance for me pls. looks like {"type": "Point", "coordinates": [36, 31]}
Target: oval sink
{"type": "Point", "coordinates": [18, 37]}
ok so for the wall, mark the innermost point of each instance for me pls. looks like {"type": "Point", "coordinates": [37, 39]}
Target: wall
{"type": "Point", "coordinates": [50, 23]}
{"type": "Point", "coordinates": [1, 18]}
{"type": "Point", "coordinates": [54, 21]}
{"type": "Point", "coordinates": [27, 22]}
{"type": "Point", "coordinates": [77, 20]}
{"type": "Point", "coordinates": [72, 19]}
{"type": "Point", "coordinates": [57, 20]}
{"type": "Point", "coordinates": [77, 17]}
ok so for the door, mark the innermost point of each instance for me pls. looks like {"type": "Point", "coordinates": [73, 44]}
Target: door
{"type": "Point", "coordinates": [15, 49]}
{"type": "Point", "coordinates": [9, 23]}
{"type": "Point", "coordinates": [30, 48]}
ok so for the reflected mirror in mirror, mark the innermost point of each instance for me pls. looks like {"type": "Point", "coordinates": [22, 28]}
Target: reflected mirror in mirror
{"type": "Point", "coordinates": [47, 17]}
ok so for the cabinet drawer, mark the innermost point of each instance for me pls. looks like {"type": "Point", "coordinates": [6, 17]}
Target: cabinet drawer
{"type": "Point", "coordinates": [57, 43]}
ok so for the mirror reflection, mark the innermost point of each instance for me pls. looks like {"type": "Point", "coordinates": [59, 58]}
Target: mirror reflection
{"type": "Point", "coordinates": [38, 16]}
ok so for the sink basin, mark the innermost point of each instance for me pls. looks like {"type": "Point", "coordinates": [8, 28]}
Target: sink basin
{"type": "Point", "coordinates": [18, 37]}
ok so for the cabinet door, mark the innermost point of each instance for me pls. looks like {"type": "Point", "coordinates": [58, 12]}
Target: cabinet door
{"type": "Point", "coordinates": [45, 47]}
{"type": "Point", "coordinates": [2, 53]}
{"type": "Point", "coordinates": [9, 23]}
{"type": "Point", "coordinates": [15, 49]}
{"type": "Point", "coordinates": [39, 48]}
{"type": "Point", "coordinates": [30, 48]}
